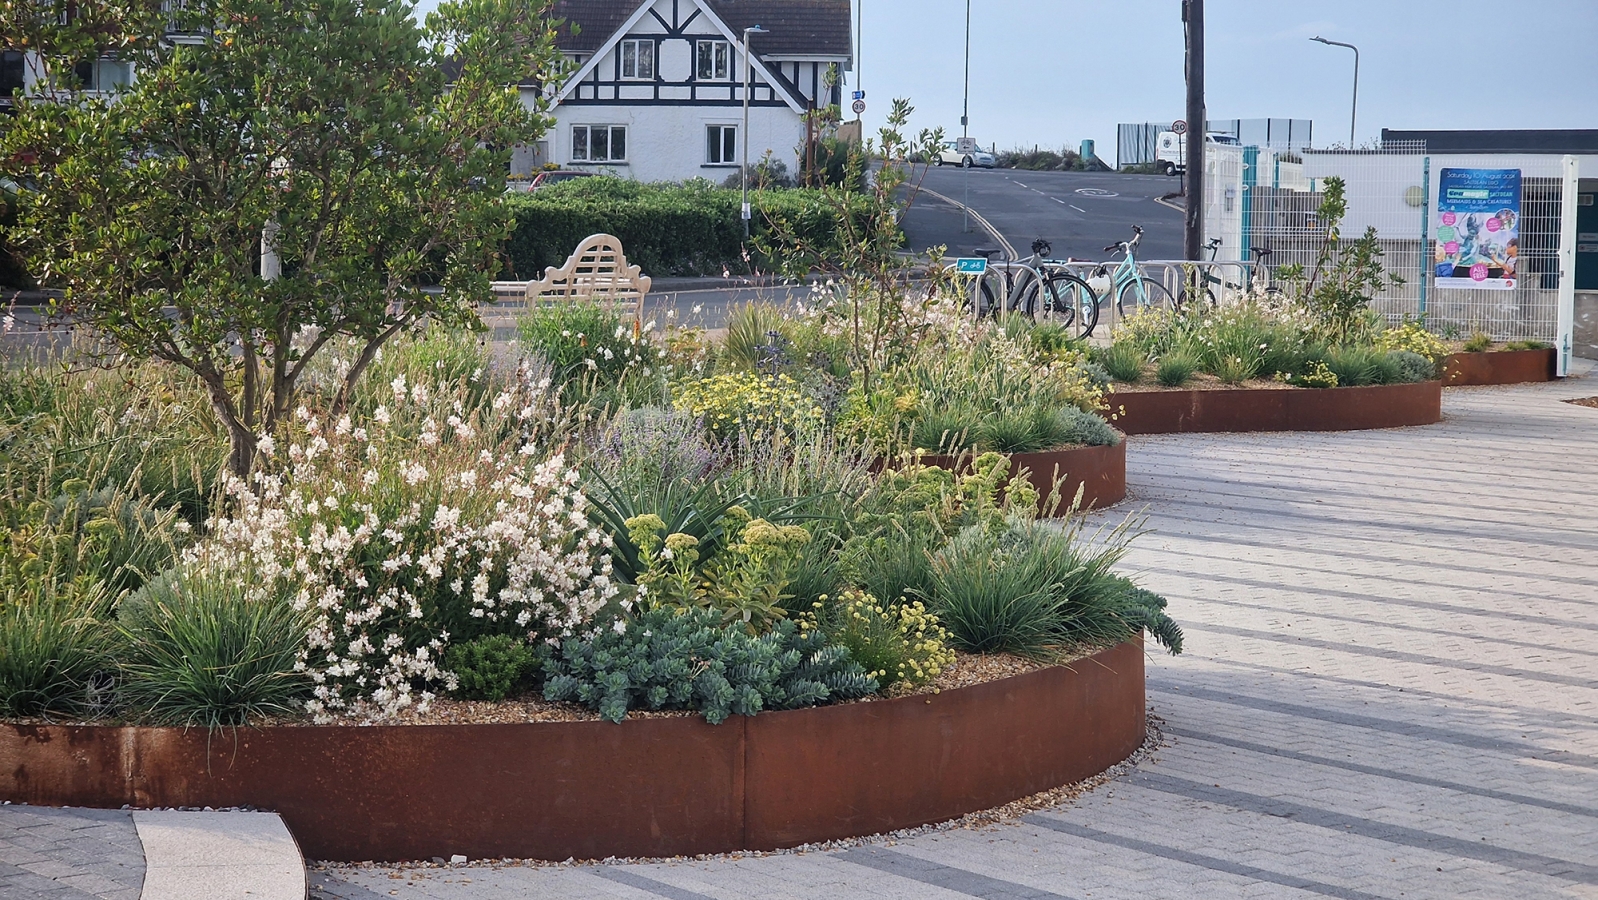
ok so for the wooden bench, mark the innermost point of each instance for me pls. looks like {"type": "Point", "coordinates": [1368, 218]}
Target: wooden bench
{"type": "Point", "coordinates": [597, 273]}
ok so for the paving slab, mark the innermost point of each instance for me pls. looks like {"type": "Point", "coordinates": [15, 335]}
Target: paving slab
{"type": "Point", "coordinates": [219, 856]}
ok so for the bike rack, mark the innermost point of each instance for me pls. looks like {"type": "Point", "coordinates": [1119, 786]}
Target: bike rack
{"type": "Point", "coordinates": [1173, 276]}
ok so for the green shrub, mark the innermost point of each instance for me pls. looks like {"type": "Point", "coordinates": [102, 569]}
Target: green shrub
{"type": "Point", "coordinates": [1479, 342]}
{"type": "Point", "coordinates": [53, 645]}
{"type": "Point", "coordinates": [492, 667]}
{"type": "Point", "coordinates": [1527, 345]}
{"type": "Point", "coordinates": [201, 650]}
{"type": "Point", "coordinates": [1174, 369]}
{"type": "Point", "coordinates": [1123, 360]}
{"type": "Point", "coordinates": [894, 641]}
{"type": "Point", "coordinates": [1411, 336]}
{"type": "Point", "coordinates": [686, 659]}
{"type": "Point", "coordinates": [1411, 367]}
{"type": "Point", "coordinates": [1315, 375]}
{"type": "Point", "coordinates": [746, 583]}
{"type": "Point", "coordinates": [665, 229]}
{"type": "Point", "coordinates": [590, 347]}
{"type": "Point", "coordinates": [749, 404]}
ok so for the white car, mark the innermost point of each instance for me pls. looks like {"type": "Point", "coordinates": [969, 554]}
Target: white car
{"type": "Point", "coordinates": [949, 155]}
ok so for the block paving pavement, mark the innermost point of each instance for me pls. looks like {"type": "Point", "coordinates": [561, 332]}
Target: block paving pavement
{"type": "Point", "coordinates": [1390, 690]}
{"type": "Point", "coordinates": [69, 854]}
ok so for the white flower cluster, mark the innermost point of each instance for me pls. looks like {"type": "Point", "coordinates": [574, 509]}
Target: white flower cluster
{"type": "Point", "coordinates": [423, 519]}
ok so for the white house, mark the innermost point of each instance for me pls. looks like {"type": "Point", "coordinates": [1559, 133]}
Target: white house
{"type": "Point", "coordinates": [657, 90]}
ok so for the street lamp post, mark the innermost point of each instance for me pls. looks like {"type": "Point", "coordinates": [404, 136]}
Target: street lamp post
{"type": "Point", "coordinates": [752, 29]}
{"type": "Point", "coordinates": [1354, 110]}
{"type": "Point", "coordinates": [965, 121]}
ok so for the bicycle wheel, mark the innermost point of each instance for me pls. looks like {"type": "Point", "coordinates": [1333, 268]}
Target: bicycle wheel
{"type": "Point", "coordinates": [988, 302]}
{"type": "Point", "coordinates": [1154, 296]}
{"type": "Point", "coordinates": [1067, 301]}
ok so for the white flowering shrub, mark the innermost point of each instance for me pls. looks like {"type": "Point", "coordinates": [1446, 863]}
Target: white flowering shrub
{"type": "Point", "coordinates": [425, 523]}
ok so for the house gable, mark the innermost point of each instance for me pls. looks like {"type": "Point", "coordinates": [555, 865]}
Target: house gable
{"type": "Point", "coordinates": [673, 28]}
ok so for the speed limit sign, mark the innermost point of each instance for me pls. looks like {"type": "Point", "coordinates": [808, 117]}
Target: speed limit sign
{"type": "Point", "coordinates": [859, 106]}
{"type": "Point", "coordinates": [1179, 126]}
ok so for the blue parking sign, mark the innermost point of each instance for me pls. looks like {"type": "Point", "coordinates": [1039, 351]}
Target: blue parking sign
{"type": "Point", "coordinates": [969, 265]}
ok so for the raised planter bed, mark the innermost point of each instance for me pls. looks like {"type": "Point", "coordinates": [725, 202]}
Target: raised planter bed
{"type": "Point", "coordinates": [1276, 409]}
{"type": "Point", "coordinates": [1099, 471]}
{"type": "Point", "coordinates": [645, 787]}
{"type": "Point", "coordinates": [1498, 367]}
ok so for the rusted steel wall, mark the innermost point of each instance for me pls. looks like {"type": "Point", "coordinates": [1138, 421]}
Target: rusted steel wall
{"type": "Point", "coordinates": [1285, 409]}
{"type": "Point", "coordinates": [646, 787]}
{"type": "Point", "coordinates": [1498, 367]}
{"type": "Point", "coordinates": [1100, 472]}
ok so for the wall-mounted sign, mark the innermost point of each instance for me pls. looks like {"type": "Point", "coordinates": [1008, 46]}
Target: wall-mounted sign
{"type": "Point", "coordinates": [971, 265]}
{"type": "Point", "coordinates": [1478, 228]}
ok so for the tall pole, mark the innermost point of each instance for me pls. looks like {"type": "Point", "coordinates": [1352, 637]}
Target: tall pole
{"type": "Point", "coordinates": [1353, 112]}
{"type": "Point", "coordinates": [965, 122]}
{"type": "Point", "coordinates": [1197, 131]}
{"type": "Point", "coordinates": [859, 65]}
{"type": "Point", "coordinates": [744, 159]}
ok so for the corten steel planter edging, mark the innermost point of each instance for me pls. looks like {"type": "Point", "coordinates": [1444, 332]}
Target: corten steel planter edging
{"type": "Point", "coordinates": [1099, 471]}
{"type": "Point", "coordinates": [1498, 367]}
{"type": "Point", "coordinates": [1277, 409]}
{"type": "Point", "coordinates": [590, 790]}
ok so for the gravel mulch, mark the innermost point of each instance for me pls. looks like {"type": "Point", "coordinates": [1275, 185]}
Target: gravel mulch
{"type": "Point", "coordinates": [1585, 401]}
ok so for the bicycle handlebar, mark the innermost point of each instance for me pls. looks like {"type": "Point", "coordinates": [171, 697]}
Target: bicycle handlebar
{"type": "Point", "coordinates": [1137, 235]}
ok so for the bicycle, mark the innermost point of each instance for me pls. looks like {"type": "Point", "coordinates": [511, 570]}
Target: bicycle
{"type": "Point", "coordinates": [1259, 276]}
{"type": "Point", "coordinates": [1038, 287]}
{"type": "Point", "coordinates": [1128, 283]}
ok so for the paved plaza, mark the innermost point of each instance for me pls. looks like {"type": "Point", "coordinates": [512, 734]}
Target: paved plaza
{"type": "Point", "coordinates": [1390, 690]}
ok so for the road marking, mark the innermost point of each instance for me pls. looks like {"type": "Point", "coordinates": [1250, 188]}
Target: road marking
{"type": "Point", "coordinates": [986, 225]}
{"type": "Point", "coordinates": [1077, 208]}
{"type": "Point", "coordinates": [1096, 192]}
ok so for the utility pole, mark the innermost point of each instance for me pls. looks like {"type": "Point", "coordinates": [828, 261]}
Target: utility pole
{"type": "Point", "coordinates": [752, 29]}
{"type": "Point", "coordinates": [1197, 130]}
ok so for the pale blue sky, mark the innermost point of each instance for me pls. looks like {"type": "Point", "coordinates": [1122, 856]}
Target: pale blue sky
{"type": "Point", "coordinates": [1054, 72]}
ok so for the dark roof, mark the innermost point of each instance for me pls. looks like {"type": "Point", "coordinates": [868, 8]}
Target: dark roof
{"type": "Point", "coordinates": [1556, 140]}
{"type": "Point", "coordinates": [798, 27]}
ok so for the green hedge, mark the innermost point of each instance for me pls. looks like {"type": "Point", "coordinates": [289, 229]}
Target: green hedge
{"type": "Point", "coordinates": [666, 229]}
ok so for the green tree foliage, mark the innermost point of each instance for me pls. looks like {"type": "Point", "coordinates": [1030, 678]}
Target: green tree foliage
{"type": "Point", "coordinates": [368, 150]}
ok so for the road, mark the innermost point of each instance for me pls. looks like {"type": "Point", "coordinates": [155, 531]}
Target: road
{"type": "Point", "coordinates": [1079, 213]}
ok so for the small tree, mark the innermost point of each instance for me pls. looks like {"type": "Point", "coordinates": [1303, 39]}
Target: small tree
{"type": "Point", "coordinates": [368, 151]}
{"type": "Point", "coordinates": [864, 254]}
{"type": "Point", "coordinates": [1344, 280]}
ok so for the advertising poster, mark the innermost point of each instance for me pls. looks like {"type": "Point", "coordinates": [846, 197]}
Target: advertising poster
{"type": "Point", "coordinates": [1478, 228]}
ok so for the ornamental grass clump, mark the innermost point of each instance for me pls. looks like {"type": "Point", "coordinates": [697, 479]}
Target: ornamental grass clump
{"type": "Point", "coordinates": [1038, 589]}
{"type": "Point", "coordinates": [991, 394]}
{"type": "Point", "coordinates": [203, 650]}
{"type": "Point", "coordinates": [55, 646]}
{"type": "Point", "coordinates": [425, 524]}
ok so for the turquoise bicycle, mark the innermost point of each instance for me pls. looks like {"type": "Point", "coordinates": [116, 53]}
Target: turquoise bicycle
{"type": "Point", "coordinates": [1127, 283]}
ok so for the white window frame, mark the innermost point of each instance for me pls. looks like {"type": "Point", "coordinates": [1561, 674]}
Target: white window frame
{"type": "Point", "coordinates": [633, 50]}
{"type": "Point", "coordinates": [583, 144]}
{"type": "Point", "coordinates": [717, 48]}
{"type": "Point", "coordinates": [722, 129]}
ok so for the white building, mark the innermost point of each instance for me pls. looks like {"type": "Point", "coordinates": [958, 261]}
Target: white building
{"type": "Point", "coordinates": [657, 91]}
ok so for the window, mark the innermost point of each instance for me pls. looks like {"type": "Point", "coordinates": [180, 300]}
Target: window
{"type": "Point", "coordinates": [721, 145]}
{"type": "Point", "coordinates": [12, 73]}
{"type": "Point", "coordinates": [638, 60]}
{"type": "Point", "coordinates": [599, 143]}
{"type": "Point", "coordinates": [103, 74]}
{"type": "Point", "coordinates": [715, 60]}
